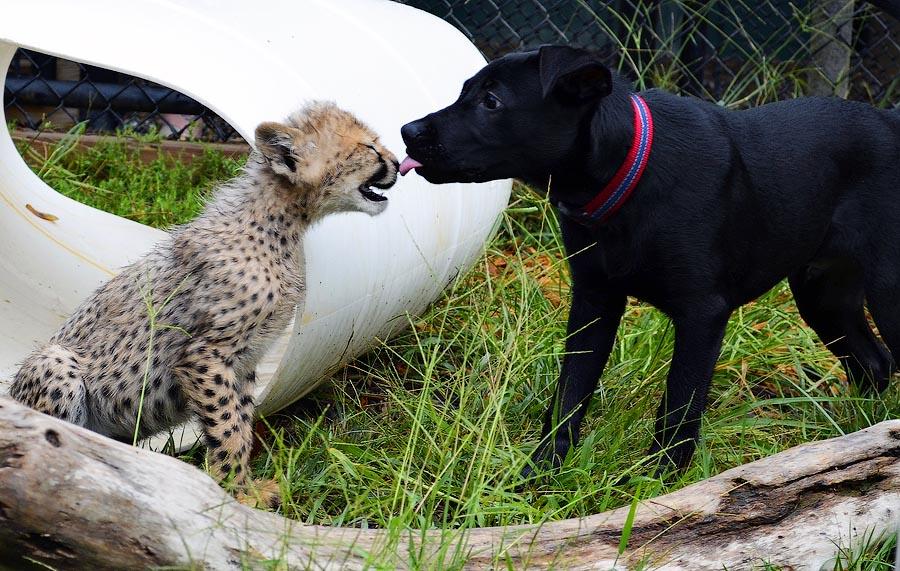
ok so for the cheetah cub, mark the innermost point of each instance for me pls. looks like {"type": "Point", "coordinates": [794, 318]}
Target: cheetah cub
{"type": "Point", "coordinates": [218, 289]}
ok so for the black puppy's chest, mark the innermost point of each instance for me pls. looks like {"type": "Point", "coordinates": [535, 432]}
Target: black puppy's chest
{"type": "Point", "coordinates": [615, 254]}
{"type": "Point", "coordinates": [660, 268]}
{"type": "Point", "coordinates": [616, 259]}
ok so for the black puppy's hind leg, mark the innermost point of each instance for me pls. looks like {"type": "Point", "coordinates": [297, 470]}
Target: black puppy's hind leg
{"type": "Point", "coordinates": [830, 299]}
{"type": "Point", "coordinates": [698, 339]}
{"type": "Point", "coordinates": [884, 304]}
{"type": "Point", "coordinates": [593, 321]}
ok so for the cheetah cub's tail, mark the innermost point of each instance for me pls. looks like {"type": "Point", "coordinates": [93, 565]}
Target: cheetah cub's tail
{"type": "Point", "coordinates": [50, 381]}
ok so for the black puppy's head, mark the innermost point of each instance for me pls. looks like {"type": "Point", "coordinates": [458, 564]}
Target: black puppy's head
{"type": "Point", "coordinates": [518, 117]}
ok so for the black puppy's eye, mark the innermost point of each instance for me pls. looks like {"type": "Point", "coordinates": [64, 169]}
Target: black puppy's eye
{"type": "Point", "coordinates": [490, 102]}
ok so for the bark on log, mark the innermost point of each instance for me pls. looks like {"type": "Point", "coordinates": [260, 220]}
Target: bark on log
{"type": "Point", "coordinates": [73, 499]}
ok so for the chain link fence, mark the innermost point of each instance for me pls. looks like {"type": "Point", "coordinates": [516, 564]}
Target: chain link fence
{"type": "Point", "coordinates": [739, 53]}
{"type": "Point", "coordinates": [731, 51]}
{"type": "Point", "coordinates": [48, 93]}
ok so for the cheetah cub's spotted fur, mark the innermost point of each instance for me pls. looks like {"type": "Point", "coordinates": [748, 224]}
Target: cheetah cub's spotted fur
{"type": "Point", "coordinates": [222, 287]}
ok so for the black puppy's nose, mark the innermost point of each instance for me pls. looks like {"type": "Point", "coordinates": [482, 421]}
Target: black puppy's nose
{"type": "Point", "coordinates": [414, 130]}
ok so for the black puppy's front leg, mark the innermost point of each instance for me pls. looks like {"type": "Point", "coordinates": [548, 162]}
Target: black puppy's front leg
{"type": "Point", "coordinates": [593, 321]}
{"type": "Point", "coordinates": [698, 340]}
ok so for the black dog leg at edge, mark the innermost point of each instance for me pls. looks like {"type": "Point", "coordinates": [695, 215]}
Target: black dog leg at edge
{"type": "Point", "coordinates": [593, 321]}
{"type": "Point", "coordinates": [698, 340]}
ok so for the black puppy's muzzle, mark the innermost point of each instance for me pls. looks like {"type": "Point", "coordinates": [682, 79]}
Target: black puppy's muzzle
{"type": "Point", "coordinates": [420, 137]}
{"type": "Point", "coordinates": [415, 131]}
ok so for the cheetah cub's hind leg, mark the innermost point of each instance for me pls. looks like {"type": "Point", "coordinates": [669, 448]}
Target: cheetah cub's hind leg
{"type": "Point", "coordinates": [50, 381]}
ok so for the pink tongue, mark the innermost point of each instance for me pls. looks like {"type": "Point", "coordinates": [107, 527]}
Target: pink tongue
{"type": "Point", "coordinates": [408, 164]}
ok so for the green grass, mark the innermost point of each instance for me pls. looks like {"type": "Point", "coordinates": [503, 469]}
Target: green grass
{"type": "Point", "coordinates": [431, 428]}
{"type": "Point", "coordinates": [111, 176]}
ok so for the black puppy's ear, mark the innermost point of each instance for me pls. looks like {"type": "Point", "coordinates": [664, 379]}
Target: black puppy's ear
{"type": "Point", "coordinates": [276, 142]}
{"type": "Point", "coordinates": [576, 75]}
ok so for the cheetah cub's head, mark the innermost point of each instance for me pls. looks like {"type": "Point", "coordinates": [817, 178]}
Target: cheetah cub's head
{"type": "Point", "coordinates": [331, 157]}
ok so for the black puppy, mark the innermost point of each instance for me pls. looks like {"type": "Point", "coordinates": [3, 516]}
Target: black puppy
{"type": "Point", "coordinates": [690, 207]}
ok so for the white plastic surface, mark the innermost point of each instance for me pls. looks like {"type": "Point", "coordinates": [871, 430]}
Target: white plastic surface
{"type": "Point", "coordinates": [250, 62]}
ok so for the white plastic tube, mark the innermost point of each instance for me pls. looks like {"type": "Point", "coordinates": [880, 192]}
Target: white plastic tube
{"type": "Point", "coordinates": [250, 62]}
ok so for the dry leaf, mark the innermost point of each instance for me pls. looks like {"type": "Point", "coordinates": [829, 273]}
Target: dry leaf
{"type": "Point", "coordinates": [41, 215]}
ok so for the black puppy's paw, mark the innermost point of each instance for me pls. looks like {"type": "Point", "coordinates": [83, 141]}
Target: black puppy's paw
{"type": "Point", "coordinates": [672, 460]}
{"type": "Point", "coordinates": [546, 456]}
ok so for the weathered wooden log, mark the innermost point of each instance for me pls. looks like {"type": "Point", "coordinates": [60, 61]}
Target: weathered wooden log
{"type": "Point", "coordinates": [73, 499]}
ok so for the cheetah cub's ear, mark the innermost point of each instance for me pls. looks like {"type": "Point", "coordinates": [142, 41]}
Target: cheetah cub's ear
{"type": "Point", "coordinates": [286, 152]}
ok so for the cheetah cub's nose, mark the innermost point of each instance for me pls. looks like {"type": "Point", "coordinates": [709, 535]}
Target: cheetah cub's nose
{"type": "Point", "coordinates": [387, 175]}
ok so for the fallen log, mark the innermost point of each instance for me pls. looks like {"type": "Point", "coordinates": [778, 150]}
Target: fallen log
{"type": "Point", "coordinates": [71, 499]}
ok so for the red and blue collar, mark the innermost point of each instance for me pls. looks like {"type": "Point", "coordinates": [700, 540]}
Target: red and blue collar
{"type": "Point", "coordinates": [617, 190]}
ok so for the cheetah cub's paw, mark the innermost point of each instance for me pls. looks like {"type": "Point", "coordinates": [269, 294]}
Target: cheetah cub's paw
{"type": "Point", "coordinates": [261, 494]}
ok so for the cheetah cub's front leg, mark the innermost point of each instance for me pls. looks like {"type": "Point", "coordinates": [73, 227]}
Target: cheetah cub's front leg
{"type": "Point", "coordinates": [257, 492]}
{"type": "Point", "coordinates": [223, 403]}
{"type": "Point", "coordinates": [213, 390]}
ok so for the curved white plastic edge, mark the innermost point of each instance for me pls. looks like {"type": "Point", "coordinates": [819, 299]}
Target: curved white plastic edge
{"type": "Point", "coordinates": [251, 62]}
